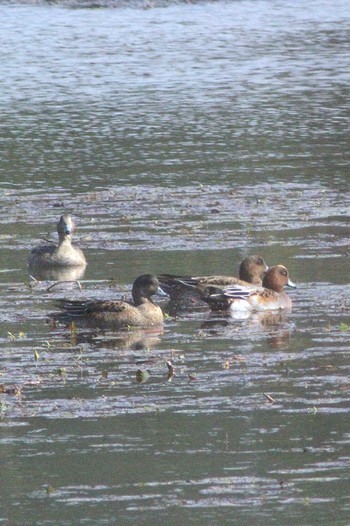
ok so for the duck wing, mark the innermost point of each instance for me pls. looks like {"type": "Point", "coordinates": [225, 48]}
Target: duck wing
{"type": "Point", "coordinates": [222, 299]}
{"type": "Point", "coordinates": [107, 306]}
{"type": "Point", "coordinates": [80, 308]}
{"type": "Point", "coordinates": [201, 283]}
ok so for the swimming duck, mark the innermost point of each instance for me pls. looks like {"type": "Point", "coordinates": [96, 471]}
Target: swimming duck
{"type": "Point", "coordinates": [270, 296]}
{"type": "Point", "coordinates": [141, 313]}
{"type": "Point", "coordinates": [250, 273]}
{"type": "Point", "coordinates": [63, 255]}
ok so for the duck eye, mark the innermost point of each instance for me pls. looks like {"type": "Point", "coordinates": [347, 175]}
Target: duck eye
{"type": "Point", "coordinates": [283, 272]}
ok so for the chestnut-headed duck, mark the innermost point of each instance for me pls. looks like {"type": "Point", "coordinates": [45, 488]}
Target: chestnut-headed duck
{"type": "Point", "coordinates": [270, 296]}
{"type": "Point", "coordinates": [250, 273]}
{"type": "Point", "coordinates": [63, 255]}
{"type": "Point", "coordinates": [141, 313]}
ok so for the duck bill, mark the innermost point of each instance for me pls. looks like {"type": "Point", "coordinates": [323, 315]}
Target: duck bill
{"type": "Point", "coordinates": [160, 292]}
{"type": "Point", "coordinates": [291, 284]}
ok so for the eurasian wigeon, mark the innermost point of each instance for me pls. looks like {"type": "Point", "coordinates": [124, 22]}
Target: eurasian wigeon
{"type": "Point", "coordinates": [250, 273]}
{"type": "Point", "coordinates": [63, 255]}
{"type": "Point", "coordinates": [270, 296]}
{"type": "Point", "coordinates": [141, 313]}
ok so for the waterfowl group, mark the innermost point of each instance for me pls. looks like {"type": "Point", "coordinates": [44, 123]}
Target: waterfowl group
{"type": "Point", "coordinates": [258, 287]}
{"type": "Point", "coordinates": [271, 296]}
{"type": "Point", "coordinates": [251, 271]}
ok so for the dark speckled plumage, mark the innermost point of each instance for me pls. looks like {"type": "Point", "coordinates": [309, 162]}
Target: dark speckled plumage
{"type": "Point", "coordinates": [141, 313]}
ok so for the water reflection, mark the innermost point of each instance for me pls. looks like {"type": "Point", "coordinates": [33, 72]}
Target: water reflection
{"type": "Point", "coordinates": [182, 153]}
{"type": "Point", "coordinates": [275, 326]}
{"type": "Point", "coordinates": [57, 274]}
{"type": "Point", "coordinates": [111, 337]}
{"type": "Point", "coordinates": [267, 99]}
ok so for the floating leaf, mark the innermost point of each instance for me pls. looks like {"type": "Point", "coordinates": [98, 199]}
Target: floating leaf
{"type": "Point", "coordinates": [170, 367]}
{"type": "Point", "coordinates": [15, 390]}
{"type": "Point", "coordinates": [171, 371]}
{"type": "Point", "coordinates": [49, 490]}
{"type": "Point", "coordinates": [142, 376]}
{"type": "Point", "coordinates": [343, 327]}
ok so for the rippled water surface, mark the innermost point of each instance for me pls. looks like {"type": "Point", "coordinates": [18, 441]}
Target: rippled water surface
{"type": "Point", "coordinates": [182, 137]}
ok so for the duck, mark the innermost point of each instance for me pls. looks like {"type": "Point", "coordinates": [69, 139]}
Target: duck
{"type": "Point", "coordinates": [141, 312]}
{"type": "Point", "coordinates": [64, 254]}
{"type": "Point", "coordinates": [250, 273]}
{"type": "Point", "coordinates": [271, 296]}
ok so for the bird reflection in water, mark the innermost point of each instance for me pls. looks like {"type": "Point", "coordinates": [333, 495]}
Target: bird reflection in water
{"type": "Point", "coordinates": [58, 274]}
{"type": "Point", "coordinates": [273, 324]}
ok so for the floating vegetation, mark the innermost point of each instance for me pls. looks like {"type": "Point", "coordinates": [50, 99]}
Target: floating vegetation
{"type": "Point", "coordinates": [13, 390]}
{"type": "Point", "coordinates": [142, 376]}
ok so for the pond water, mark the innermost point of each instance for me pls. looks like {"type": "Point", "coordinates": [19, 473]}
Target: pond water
{"type": "Point", "coordinates": [181, 137]}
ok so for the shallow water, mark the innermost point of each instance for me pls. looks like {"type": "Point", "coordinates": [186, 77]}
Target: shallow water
{"type": "Point", "coordinates": [181, 139]}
